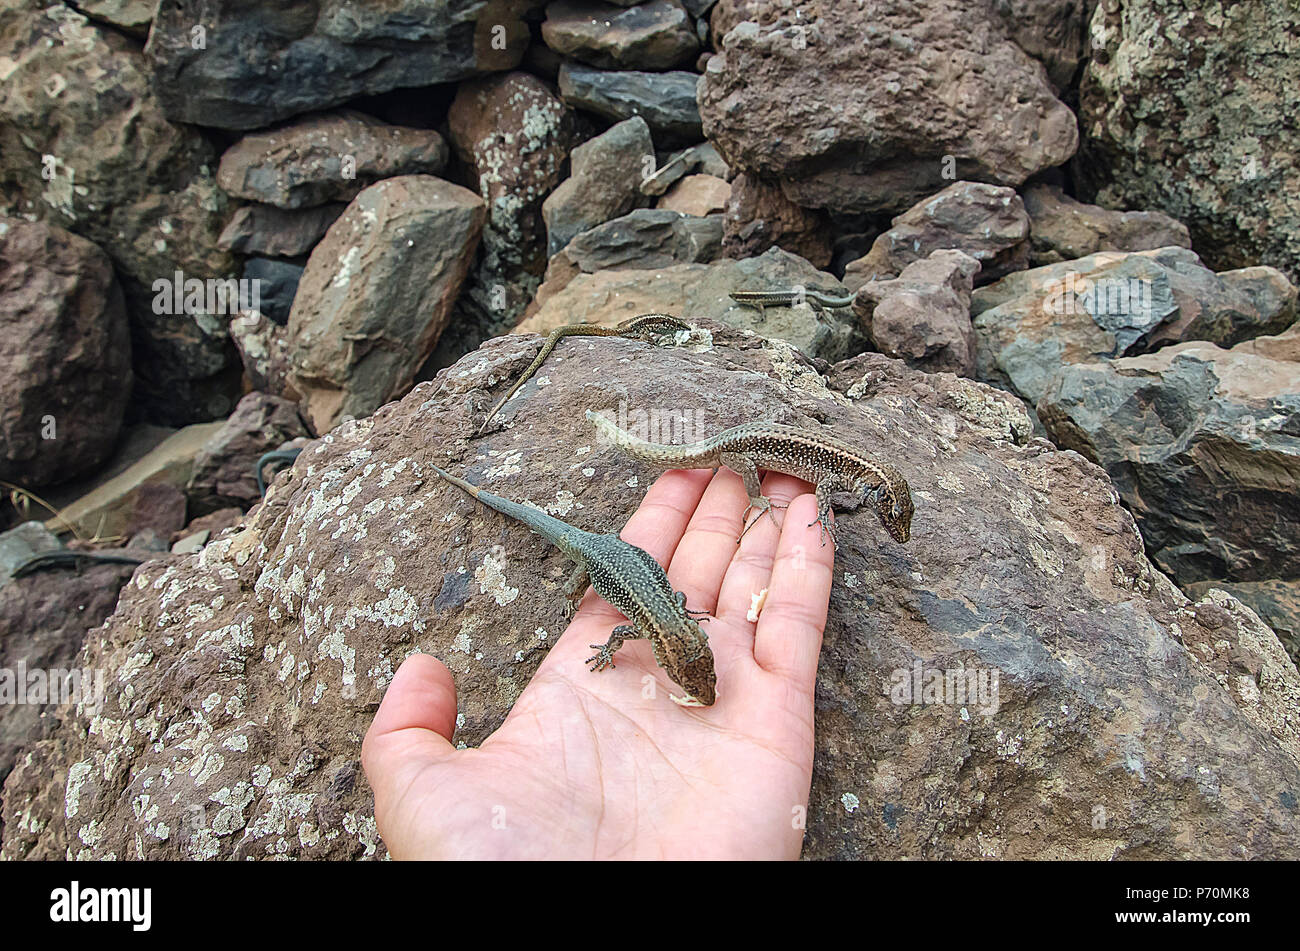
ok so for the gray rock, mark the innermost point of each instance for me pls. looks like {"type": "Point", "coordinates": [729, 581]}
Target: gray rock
{"type": "Point", "coordinates": [277, 283]}
{"type": "Point", "coordinates": [1112, 304]}
{"type": "Point", "coordinates": [1022, 564]}
{"type": "Point", "coordinates": [665, 100]}
{"type": "Point", "coordinates": [1062, 229]}
{"type": "Point", "coordinates": [65, 355]}
{"type": "Point", "coordinates": [922, 317]}
{"type": "Point", "coordinates": [262, 64]}
{"type": "Point", "coordinates": [377, 293]}
{"type": "Point", "coordinates": [326, 158]}
{"type": "Point", "coordinates": [988, 222]}
{"type": "Point", "coordinates": [603, 182]}
{"type": "Point", "coordinates": [21, 543]}
{"type": "Point", "coordinates": [134, 16]}
{"type": "Point", "coordinates": [266, 230]}
{"type": "Point", "coordinates": [654, 35]}
{"type": "Point", "coordinates": [702, 158]}
{"type": "Point", "coordinates": [1203, 445]}
{"type": "Point", "coordinates": [1188, 106]}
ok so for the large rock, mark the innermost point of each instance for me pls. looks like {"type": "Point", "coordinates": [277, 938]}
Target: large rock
{"type": "Point", "coordinates": [1126, 721]}
{"type": "Point", "coordinates": [326, 158]}
{"type": "Point", "coordinates": [654, 35]}
{"type": "Point", "coordinates": [261, 63]}
{"type": "Point", "coordinates": [1062, 229]}
{"type": "Point", "coordinates": [1204, 446]}
{"type": "Point", "coordinates": [1112, 304]}
{"type": "Point", "coordinates": [702, 290]}
{"type": "Point", "coordinates": [665, 100]}
{"type": "Point", "coordinates": [376, 294]}
{"type": "Point", "coordinates": [602, 183]}
{"type": "Point", "coordinates": [869, 107]}
{"type": "Point", "coordinates": [65, 354]}
{"type": "Point", "coordinates": [224, 473]}
{"type": "Point", "coordinates": [1189, 106]}
{"type": "Point", "coordinates": [1054, 32]}
{"type": "Point", "coordinates": [265, 229]}
{"type": "Point", "coordinates": [84, 145]}
{"type": "Point", "coordinates": [987, 222]}
{"type": "Point", "coordinates": [922, 317]}
{"type": "Point", "coordinates": [1276, 602]}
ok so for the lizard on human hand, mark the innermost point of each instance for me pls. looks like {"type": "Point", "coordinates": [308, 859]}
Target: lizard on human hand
{"type": "Point", "coordinates": [647, 327]}
{"type": "Point", "coordinates": [817, 300]}
{"type": "Point", "coordinates": [631, 580]}
{"type": "Point", "coordinates": [830, 465]}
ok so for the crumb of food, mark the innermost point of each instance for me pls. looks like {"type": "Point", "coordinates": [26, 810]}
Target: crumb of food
{"type": "Point", "coordinates": [756, 602]}
{"type": "Point", "coordinates": [686, 701]}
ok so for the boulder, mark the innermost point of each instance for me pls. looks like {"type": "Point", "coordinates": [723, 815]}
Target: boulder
{"type": "Point", "coordinates": [987, 222]}
{"type": "Point", "coordinates": [654, 35]}
{"type": "Point", "coordinates": [227, 64]}
{"type": "Point", "coordinates": [602, 183]}
{"type": "Point", "coordinates": [376, 294]}
{"type": "Point", "coordinates": [1203, 444]}
{"type": "Point", "coordinates": [224, 473]}
{"type": "Point", "coordinates": [23, 542]}
{"type": "Point", "coordinates": [702, 290]}
{"type": "Point", "coordinates": [922, 317]}
{"type": "Point", "coordinates": [84, 145]}
{"type": "Point", "coordinates": [65, 355]}
{"type": "Point", "coordinates": [263, 346]}
{"type": "Point", "coordinates": [665, 100]}
{"type": "Point", "coordinates": [1062, 228]}
{"type": "Point", "coordinates": [1102, 715]}
{"type": "Point", "coordinates": [134, 16]}
{"type": "Point", "coordinates": [1276, 602]}
{"type": "Point", "coordinates": [326, 158]}
{"type": "Point", "coordinates": [1188, 106]}
{"type": "Point", "coordinates": [1113, 304]}
{"type": "Point", "coordinates": [870, 107]}
{"type": "Point", "coordinates": [698, 195]}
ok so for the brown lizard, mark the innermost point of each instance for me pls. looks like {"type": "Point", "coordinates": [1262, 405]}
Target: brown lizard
{"type": "Point", "coordinates": [830, 465]}
{"type": "Point", "coordinates": [647, 327]}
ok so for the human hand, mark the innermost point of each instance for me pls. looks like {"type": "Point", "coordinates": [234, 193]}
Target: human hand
{"type": "Point", "coordinates": [598, 765]}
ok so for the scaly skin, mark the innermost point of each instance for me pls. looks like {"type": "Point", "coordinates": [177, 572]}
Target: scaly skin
{"type": "Point", "coordinates": [817, 300]}
{"type": "Point", "coordinates": [647, 327]}
{"type": "Point", "coordinates": [631, 580]}
{"type": "Point", "coordinates": [830, 465]}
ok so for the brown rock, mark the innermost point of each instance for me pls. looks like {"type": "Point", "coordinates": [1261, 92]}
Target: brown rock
{"type": "Point", "coordinates": [1276, 602]}
{"type": "Point", "coordinates": [698, 195]}
{"type": "Point", "coordinates": [326, 158]}
{"type": "Point", "coordinates": [223, 474]}
{"type": "Point", "coordinates": [869, 107]}
{"type": "Point", "coordinates": [376, 294]}
{"type": "Point", "coordinates": [1062, 229]}
{"type": "Point", "coordinates": [759, 216]}
{"type": "Point", "coordinates": [922, 317]}
{"type": "Point", "coordinates": [992, 582]}
{"type": "Point", "coordinates": [65, 355]}
{"type": "Point", "coordinates": [653, 35]}
{"type": "Point", "coordinates": [263, 345]}
{"type": "Point", "coordinates": [987, 222]}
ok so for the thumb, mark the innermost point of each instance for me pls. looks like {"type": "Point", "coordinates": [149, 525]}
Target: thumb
{"type": "Point", "coordinates": [412, 729]}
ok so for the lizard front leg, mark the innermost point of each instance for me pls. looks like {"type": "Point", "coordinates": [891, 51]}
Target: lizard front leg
{"type": "Point", "coordinates": [604, 656]}
{"type": "Point", "coordinates": [575, 588]}
{"type": "Point", "coordinates": [744, 467]}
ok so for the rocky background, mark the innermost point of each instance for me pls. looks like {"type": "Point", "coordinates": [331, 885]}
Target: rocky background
{"type": "Point", "coordinates": [1071, 231]}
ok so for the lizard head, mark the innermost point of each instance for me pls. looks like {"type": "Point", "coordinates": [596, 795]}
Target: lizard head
{"type": "Point", "coordinates": [894, 506]}
{"type": "Point", "coordinates": [698, 678]}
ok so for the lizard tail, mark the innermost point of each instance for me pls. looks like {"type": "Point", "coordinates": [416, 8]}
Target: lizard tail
{"type": "Point", "coordinates": [697, 455]}
{"type": "Point", "coordinates": [459, 483]}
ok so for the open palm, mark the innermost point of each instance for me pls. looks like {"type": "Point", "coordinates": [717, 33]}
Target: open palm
{"type": "Point", "coordinates": [605, 765]}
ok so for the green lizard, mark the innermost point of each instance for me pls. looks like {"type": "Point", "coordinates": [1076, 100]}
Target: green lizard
{"type": "Point", "coordinates": [631, 580]}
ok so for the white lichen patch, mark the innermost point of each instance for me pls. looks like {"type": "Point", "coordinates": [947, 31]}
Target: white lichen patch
{"type": "Point", "coordinates": [491, 577]}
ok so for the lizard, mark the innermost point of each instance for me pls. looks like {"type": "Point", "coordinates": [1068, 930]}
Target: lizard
{"type": "Point", "coordinates": [830, 465]}
{"type": "Point", "coordinates": [280, 455]}
{"type": "Point", "coordinates": [817, 300]}
{"type": "Point", "coordinates": [70, 557]}
{"type": "Point", "coordinates": [631, 580]}
{"type": "Point", "coordinates": [647, 327]}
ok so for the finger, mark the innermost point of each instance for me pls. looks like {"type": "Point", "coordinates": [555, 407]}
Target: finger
{"type": "Point", "coordinates": [750, 571]}
{"type": "Point", "coordinates": [709, 542]}
{"type": "Point", "coordinates": [788, 638]}
{"type": "Point", "coordinates": [412, 728]}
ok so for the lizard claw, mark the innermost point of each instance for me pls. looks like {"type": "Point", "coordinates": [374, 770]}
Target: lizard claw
{"type": "Point", "coordinates": [603, 657]}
